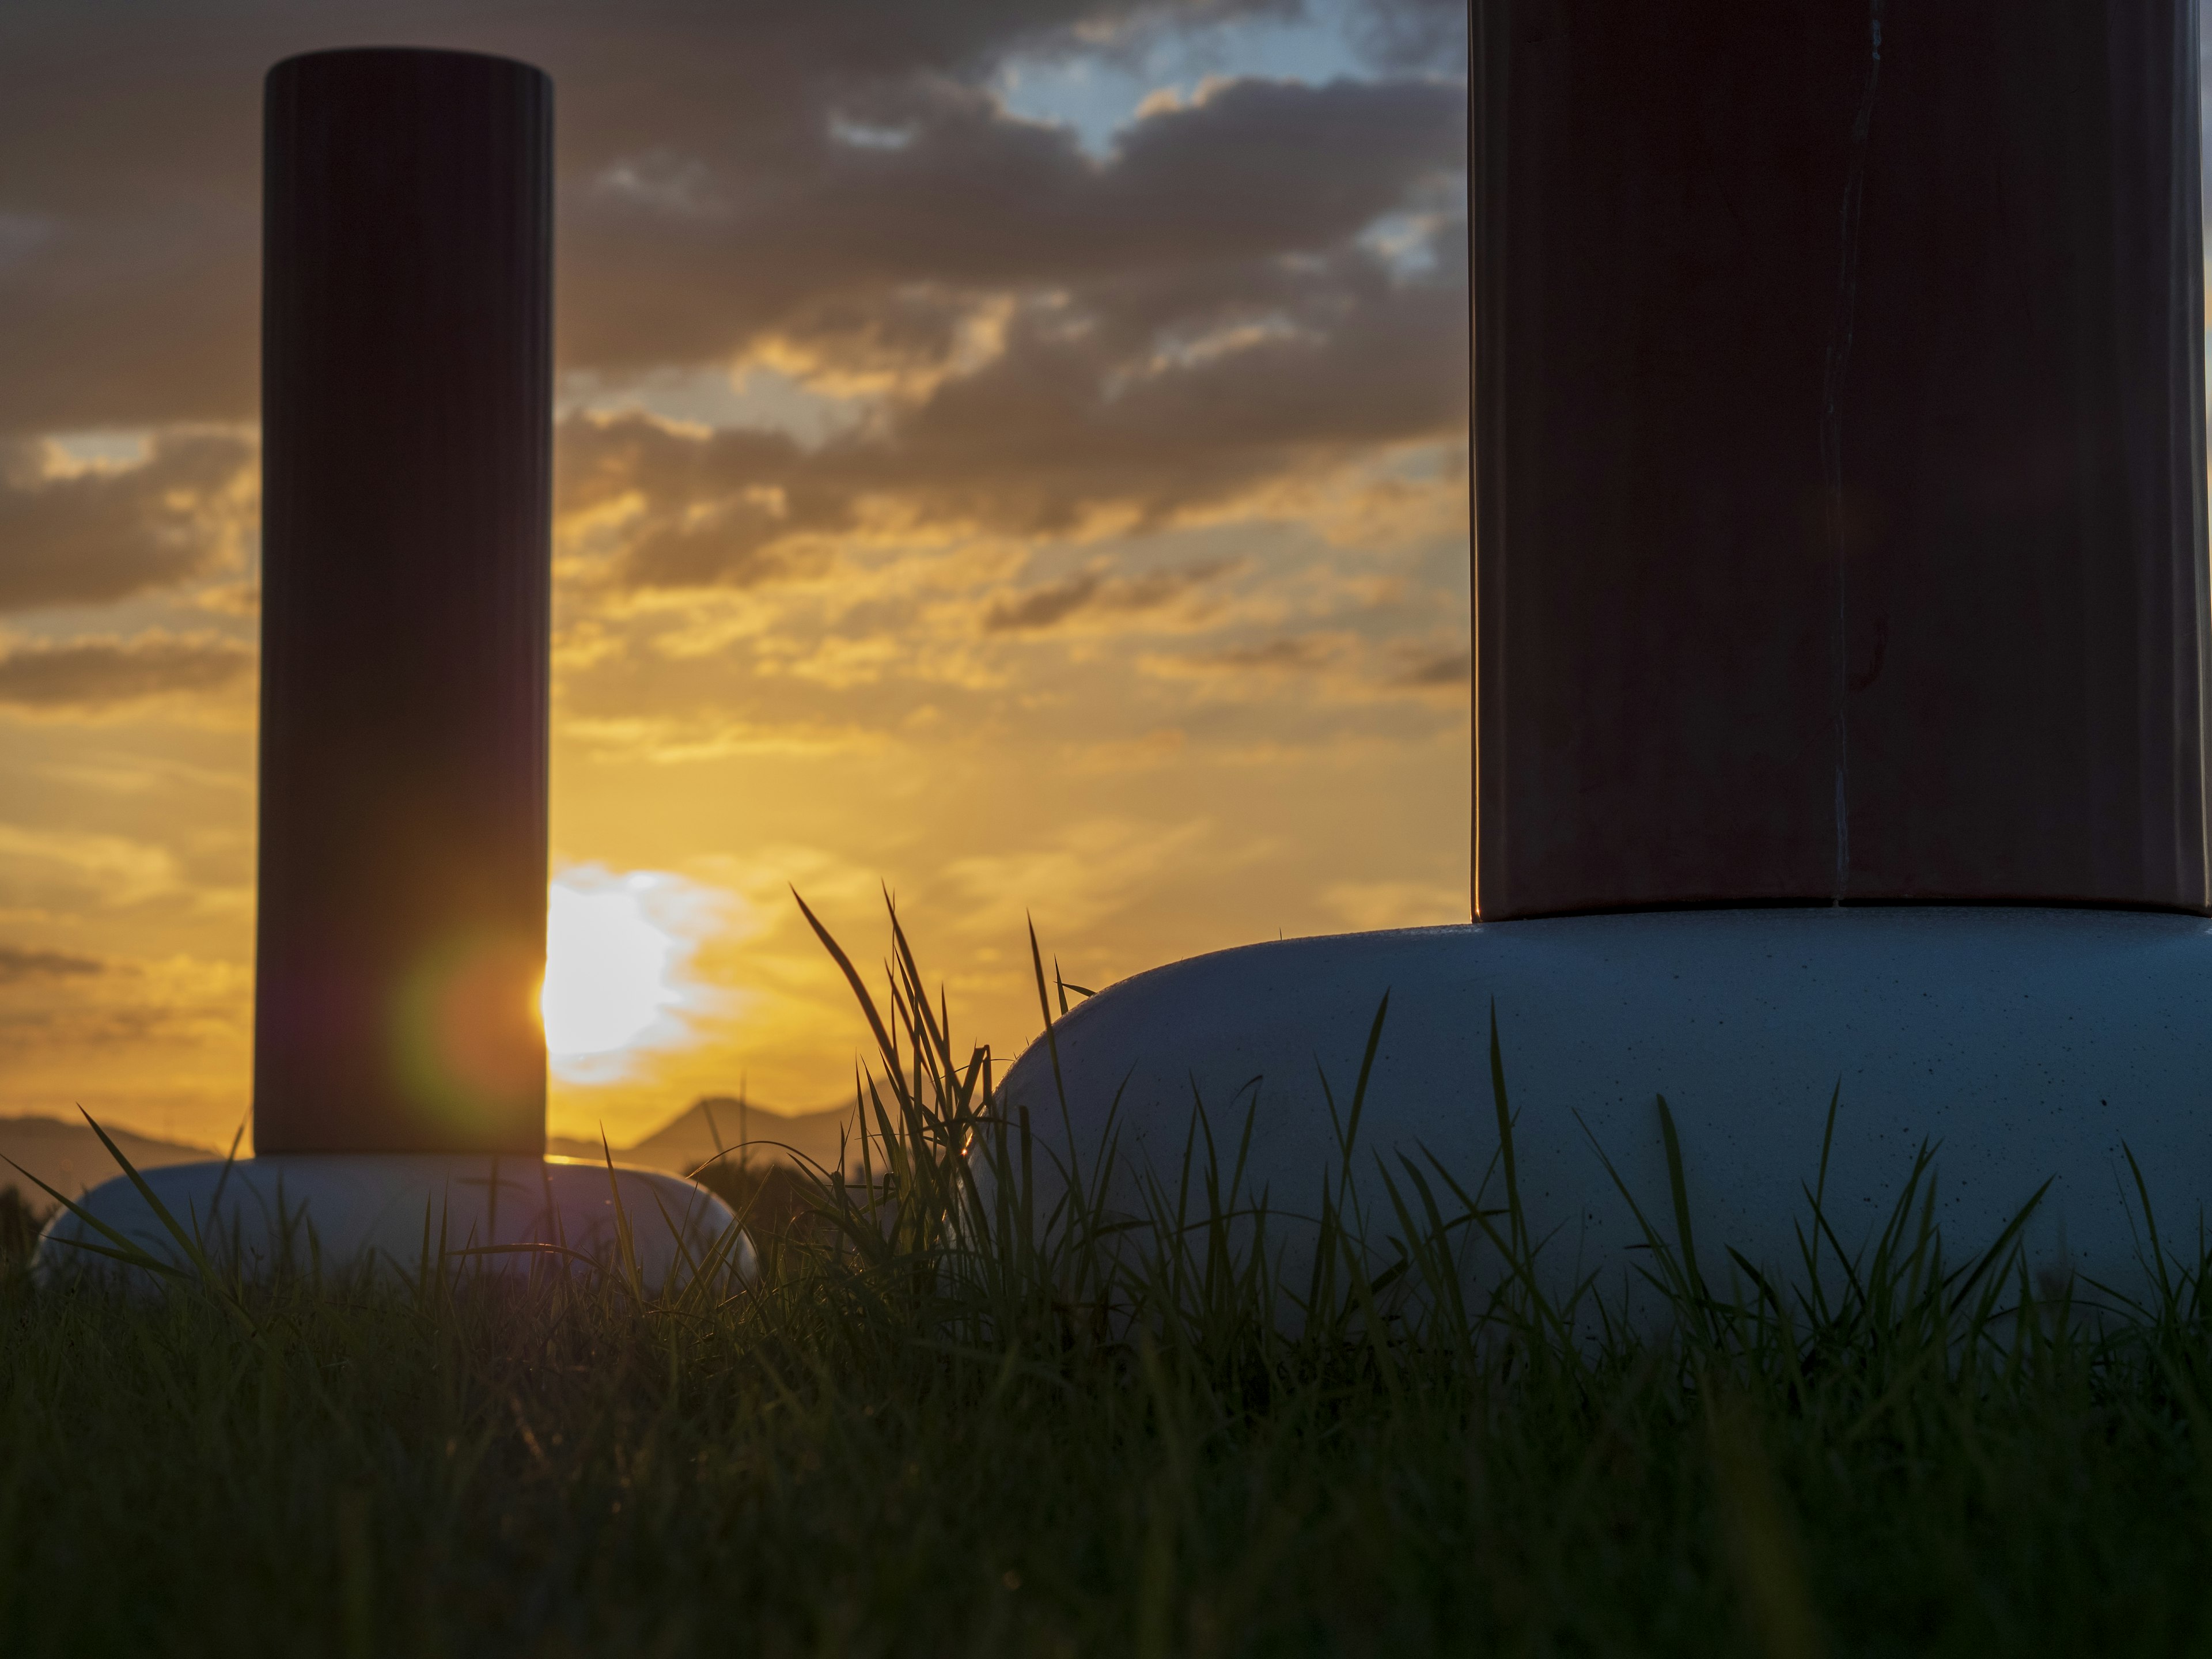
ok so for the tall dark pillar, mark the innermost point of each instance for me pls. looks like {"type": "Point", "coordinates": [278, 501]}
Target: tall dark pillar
{"type": "Point", "coordinates": [406, 399]}
{"type": "Point", "coordinates": [1839, 454]}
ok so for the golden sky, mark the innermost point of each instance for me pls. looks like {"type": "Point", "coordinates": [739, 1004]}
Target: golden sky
{"type": "Point", "coordinates": [1011, 451]}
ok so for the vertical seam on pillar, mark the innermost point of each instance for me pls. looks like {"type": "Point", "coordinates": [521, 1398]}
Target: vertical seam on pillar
{"type": "Point", "coordinates": [2188, 266]}
{"type": "Point", "coordinates": [1832, 442]}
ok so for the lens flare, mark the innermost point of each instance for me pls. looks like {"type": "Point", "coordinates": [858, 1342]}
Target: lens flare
{"type": "Point", "coordinates": [467, 1046]}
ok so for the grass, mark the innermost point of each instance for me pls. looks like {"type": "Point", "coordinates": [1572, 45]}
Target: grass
{"type": "Point", "coordinates": [957, 1415]}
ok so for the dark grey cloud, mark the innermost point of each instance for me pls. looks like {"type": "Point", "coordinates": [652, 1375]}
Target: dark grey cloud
{"type": "Point", "coordinates": [1296, 653]}
{"type": "Point", "coordinates": [729, 509]}
{"type": "Point", "coordinates": [976, 201]}
{"type": "Point", "coordinates": [99, 535]}
{"type": "Point", "coordinates": [80, 1026]}
{"type": "Point", "coordinates": [1040, 608]}
{"type": "Point", "coordinates": [95, 674]}
{"type": "Point", "coordinates": [1401, 34]}
{"type": "Point", "coordinates": [129, 172]}
{"type": "Point", "coordinates": [20, 964]}
{"type": "Point", "coordinates": [1182, 318]}
{"type": "Point", "coordinates": [1293, 368]}
{"type": "Point", "coordinates": [1390, 667]}
{"type": "Point", "coordinates": [1435, 671]}
{"type": "Point", "coordinates": [1044, 607]}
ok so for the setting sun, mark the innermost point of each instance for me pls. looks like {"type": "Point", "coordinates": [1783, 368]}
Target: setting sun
{"type": "Point", "coordinates": [608, 969]}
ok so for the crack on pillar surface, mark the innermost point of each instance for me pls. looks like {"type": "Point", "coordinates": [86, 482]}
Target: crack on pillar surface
{"type": "Point", "coordinates": [1831, 439]}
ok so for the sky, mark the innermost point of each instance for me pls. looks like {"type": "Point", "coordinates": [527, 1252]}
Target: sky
{"type": "Point", "coordinates": [1010, 453]}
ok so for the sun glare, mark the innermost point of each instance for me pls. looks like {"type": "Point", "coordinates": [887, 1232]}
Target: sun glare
{"type": "Point", "coordinates": [609, 970]}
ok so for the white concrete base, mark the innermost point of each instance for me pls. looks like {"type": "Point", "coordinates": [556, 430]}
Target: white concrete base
{"type": "Point", "coordinates": [2030, 1044]}
{"type": "Point", "coordinates": [338, 1211]}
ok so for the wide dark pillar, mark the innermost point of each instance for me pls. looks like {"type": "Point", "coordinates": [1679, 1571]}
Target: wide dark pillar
{"type": "Point", "coordinates": [1840, 526]}
{"type": "Point", "coordinates": [406, 575]}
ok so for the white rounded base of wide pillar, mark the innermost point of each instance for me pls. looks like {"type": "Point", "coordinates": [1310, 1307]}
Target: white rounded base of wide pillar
{"type": "Point", "coordinates": [2025, 1045]}
{"type": "Point", "coordinates": [339, 1211]}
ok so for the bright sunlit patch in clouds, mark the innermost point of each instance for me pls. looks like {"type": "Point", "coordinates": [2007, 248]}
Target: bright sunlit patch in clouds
{"type": "Point", "coordinates": [72, 454]}
{"type": "Point", "coordinates": [618, 960]}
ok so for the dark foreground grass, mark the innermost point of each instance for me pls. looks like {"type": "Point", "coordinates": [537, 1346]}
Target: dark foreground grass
{"type": "Point", "coordinates": [937, 1425]}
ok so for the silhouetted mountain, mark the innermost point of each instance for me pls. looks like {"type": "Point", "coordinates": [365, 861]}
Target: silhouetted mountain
{"type": "Point", "coordinates": [68, 1158]}
{"type": "Point", "coordinates": [721, 1123]}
